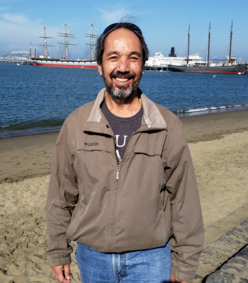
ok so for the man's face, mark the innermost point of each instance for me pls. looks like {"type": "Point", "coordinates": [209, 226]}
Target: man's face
{"type": "Point", "coordinates": [122, 64]}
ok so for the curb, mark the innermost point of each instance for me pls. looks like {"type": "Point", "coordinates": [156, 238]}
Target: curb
{"type": "Point", "coordinates": [222, 241]}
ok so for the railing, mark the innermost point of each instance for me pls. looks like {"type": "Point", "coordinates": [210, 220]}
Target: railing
{"type": "Point", "coordinates": [11, 62]}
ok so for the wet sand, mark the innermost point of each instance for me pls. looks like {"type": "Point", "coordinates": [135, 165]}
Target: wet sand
{"type": "Point", "coordinates": [219, 148]}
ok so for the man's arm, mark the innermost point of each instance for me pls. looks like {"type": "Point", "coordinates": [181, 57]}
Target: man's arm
{"type": "Point", "coordinates": [187, 226]}
{"type": "Point", "coordinates": [61, 199]}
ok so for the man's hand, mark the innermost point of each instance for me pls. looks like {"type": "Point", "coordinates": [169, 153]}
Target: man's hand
{"type": "Point", "coordinates": [174, 280]}
{"type": "Point", "coordinates": [62, 273]}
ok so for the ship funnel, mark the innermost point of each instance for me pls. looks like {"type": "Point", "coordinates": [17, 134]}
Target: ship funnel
{"type": "Point", "coordinates": [172, 53]}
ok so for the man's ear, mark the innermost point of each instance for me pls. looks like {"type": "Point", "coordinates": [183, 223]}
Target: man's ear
{"type": "Point", "coordinates": [99, 69]}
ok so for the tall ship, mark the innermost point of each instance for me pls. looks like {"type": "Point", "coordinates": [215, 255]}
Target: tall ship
{"type": "Point", "coordinates": [46, 61]}
{"type": "Point", "coordinates": [229, 67]}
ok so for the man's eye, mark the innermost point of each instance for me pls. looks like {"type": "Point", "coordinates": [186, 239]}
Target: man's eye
{"type": "Point", "coordinates": [113, 58]}
{"type": "Point", "coordinates": [134, 58]}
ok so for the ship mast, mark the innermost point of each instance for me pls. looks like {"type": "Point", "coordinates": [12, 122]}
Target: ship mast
{"type": "Point", "coordinates": [209, 32]}
{"type": "Point", "coordinates": [188, 44]}
{"type": "Point", "coordinates": [91, 35]}
{"type": "Point", "coordinates": [30, 51]}
{"type": "Point", "coordinates": [66, 35]}
{"type": "Point", "coordinates": [230, 49]}
{"type": "Point", "coordinates": [45, 42]}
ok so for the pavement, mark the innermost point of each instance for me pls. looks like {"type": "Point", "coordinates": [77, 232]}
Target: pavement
{"type": "Point", "coordinates": [225, 255]}
{"type": "Point", "coordinates": [234, 270]}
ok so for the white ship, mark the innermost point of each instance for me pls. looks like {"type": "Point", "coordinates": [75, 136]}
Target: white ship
{"type": "Point", "coordinates": [159, 61]}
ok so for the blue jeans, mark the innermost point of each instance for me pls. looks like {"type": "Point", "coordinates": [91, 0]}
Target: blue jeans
{"type": "Point", "coordinates": [140, 266]}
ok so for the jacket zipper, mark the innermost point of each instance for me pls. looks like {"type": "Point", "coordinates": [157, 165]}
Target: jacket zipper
{"type": "Point", "coordinates": [118, 163]}
{"type": "Point", "coordinates": [118, 171]}
{"type": "Point", "coordinates": [119, 160]}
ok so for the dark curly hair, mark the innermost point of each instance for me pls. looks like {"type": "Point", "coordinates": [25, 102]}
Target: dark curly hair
{"type": "Point", "coordinates": [130, 26]}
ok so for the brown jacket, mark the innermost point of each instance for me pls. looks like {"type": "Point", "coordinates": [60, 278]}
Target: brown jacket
{"type": "Point", "coordinates": [153, 196]}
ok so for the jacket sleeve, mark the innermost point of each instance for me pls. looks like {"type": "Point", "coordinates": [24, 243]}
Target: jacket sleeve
{"type": "Point", "coordinates": [61, 199]}
{"type": "Point", "coordinates": [187, 226]}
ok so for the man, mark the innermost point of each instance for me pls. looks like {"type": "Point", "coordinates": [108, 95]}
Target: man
{"type": "Point", "coordinates": [122, 181]}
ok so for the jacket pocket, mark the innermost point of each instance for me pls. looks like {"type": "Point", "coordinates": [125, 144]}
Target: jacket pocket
{"type": "Point", "coordinates": [152, 149]}
{"type": "Point", "coordinates": [150, 144]}
{"type": "Point", "coordinates": [95, 166]}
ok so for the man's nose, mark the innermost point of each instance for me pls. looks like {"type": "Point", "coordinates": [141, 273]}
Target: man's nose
{"type": "Point", "coordinates": [123, 65]}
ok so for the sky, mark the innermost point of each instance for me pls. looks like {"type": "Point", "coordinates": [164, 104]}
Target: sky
{"type": "Point", "coordinates": [164, 24]}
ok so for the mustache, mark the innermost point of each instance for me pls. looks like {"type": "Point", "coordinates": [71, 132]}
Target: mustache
{"type": "Point", "coordinates": [122, 75]}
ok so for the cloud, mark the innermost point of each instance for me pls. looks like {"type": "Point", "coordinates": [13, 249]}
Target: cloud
{"type": "Point", "coordinates": [122, 15]}
{"type": "Point", "coordinates": [114, 16]}
{"type": "Point", "coordinates": [17, 31]}
{"type": "Point", "coordinates": [15, 18]}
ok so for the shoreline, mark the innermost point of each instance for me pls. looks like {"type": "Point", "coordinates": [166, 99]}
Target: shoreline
{"type": "Point", "coordinates": [193, 119]}
{"type": "Point", "coordinates": [30, 156]}
{"type": "Point", "coordinates": [214, 126]}
{"type": "Point", "coordinates": [42, 130]}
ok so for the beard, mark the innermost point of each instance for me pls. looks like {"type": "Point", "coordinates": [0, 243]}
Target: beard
{"type": "Point", "coordinates": [122, 94]}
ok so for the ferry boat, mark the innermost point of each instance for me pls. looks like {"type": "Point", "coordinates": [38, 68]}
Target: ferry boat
{"type": "Point", "coordinates": [159, 61]}
{"type": "Point", "coordinates": [46, 61]}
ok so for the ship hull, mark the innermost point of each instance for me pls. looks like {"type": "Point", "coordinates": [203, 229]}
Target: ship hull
{"type": "Point", "coordinates": [235, 69]}
{"type": "Point", "coordinates": [65, 64]}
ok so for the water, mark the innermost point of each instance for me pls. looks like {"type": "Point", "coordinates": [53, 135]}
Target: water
{"type": "Point", "coordinates": [38, 99]}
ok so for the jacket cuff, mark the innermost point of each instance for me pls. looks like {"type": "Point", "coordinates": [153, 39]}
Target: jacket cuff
{"type": "Point", "coordinates": [183, 276]}
{"type": "Point", "coordinates": [60, 260]}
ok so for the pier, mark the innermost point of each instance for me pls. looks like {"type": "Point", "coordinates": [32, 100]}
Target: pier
{"type": "Point", "coordinates": [11, 62]}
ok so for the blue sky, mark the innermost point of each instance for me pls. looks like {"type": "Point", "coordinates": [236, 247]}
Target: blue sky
{"type": "Point", "coordinates": [164, 24]}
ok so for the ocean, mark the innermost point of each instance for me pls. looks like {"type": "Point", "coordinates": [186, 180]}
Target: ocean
{"type": "Point", "coordinates": [36, 100]}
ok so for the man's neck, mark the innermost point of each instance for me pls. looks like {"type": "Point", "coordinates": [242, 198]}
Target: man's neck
{"type": "Point", "coordinates": [124, 110]}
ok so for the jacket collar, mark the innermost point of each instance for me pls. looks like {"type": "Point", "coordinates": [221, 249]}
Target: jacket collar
{"type": "Point", "coordinates": [152, 118]}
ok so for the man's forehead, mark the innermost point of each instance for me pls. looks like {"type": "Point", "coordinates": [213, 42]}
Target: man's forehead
{"type": "Point", "coordinates": [122, 34]}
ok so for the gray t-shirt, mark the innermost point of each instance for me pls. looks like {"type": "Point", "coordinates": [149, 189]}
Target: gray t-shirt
{"type": "Point", "coordinates": [123, 128]}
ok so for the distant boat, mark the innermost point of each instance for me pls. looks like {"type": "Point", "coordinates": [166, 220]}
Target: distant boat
{"type": "Point", "coordinates": [45, 61]}
{"type": "Point", "coordinates": [227, 68]}
{"type": "Point", "coordinates": [160, 61]}
{"type": "Point", "coordinates": [18, 64]}
{"type": "Point", "coordinates": [233, 69]}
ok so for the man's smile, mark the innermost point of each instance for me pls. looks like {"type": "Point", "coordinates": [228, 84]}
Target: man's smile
{"type": "Point", "coordinates": [122, 79]}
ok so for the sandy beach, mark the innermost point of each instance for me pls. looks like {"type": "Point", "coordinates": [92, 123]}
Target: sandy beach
{"type": "Point", "coordinates": [219, 148]}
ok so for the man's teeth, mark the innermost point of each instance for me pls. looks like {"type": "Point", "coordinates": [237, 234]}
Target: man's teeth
{"type": "Point", "coordinates": [121, 79]}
